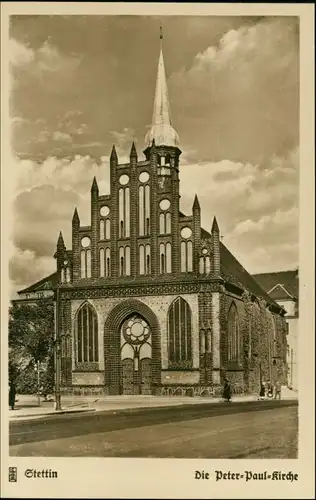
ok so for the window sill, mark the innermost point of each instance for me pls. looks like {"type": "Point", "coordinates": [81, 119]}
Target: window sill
{"type": "Point", "coordinates": [87, 366]}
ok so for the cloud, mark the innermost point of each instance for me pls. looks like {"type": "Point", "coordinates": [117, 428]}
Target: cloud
{"type": "Point", "coordinates": [45, 59]}
{"type": "Point", "coordinates": [61, 136]}
{"type": "Point", "coordinates": [242, 95]}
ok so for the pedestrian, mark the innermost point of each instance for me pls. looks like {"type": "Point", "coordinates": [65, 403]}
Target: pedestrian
{"type": "Point", "coordinates": [269, 390]}
{"type": "Point", "coordinates": [12, 393]}
{"type": "Point", "coordinates": [227, 391]}
{"type": "Point", "coordinates": [262, 392]}
{"type": "Point", "coordinates": [277, 391]}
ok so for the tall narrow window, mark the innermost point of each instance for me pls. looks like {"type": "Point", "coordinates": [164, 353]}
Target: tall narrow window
{"type": "Point", "coordinates": [141, 259]}
{"type": "Point", "coordinates": [85, 263]}
{"type": "Point", "coordinates": [168, 257]}
{"type": "Point", "coordinates": [180, 334]}
{"type": "Point", "coordinates": [233, 338]}
{"type": "Point", "coordinates": [108, 262]}
{"type": "Point", "coordinates": [162, 258]}
{"type": "Point", "coordinates": [107, 229]}
{"type": "Point", "coordinates": [164, 223]}
{"type": "Point", "coordinates": [205, 264]}
{"type": "Point", "coordinates": [121, 213]}
{"type": "Point", "coordinates": [87, 335]}
{"type": "Point", "coordinates": [168, 223]}
{"type": "Point", "coordinates": [88, 263]}
{"type": "Point", "coordinates": [144, 210]}
{"type": "Point", "coordinates": [102, 268]}
{"type": "Point", "coordinates": [141, 210]}
{"type": "Point", "coordinates": [127, 213]}
{"type": "Point", "coordinates": [147, 209]}
{"type": "Point", "coordinates": [121, 257]}
{"type": "Point", "coordinates": [125, 261]}
{"type": "Point", "coordinates": [68, 275]}
{"type": "Point", "coordinates": [102, 232]}
{"type": "Point", "coordinates": [147, 258]}
{"type": "Point", "coordinates": [186, 256]}
{"type": "Point", "coordinates": [63, 276]}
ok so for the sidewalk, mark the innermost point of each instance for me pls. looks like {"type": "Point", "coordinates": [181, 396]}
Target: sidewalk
{"type": "Point", "coordinates": [27, 408]}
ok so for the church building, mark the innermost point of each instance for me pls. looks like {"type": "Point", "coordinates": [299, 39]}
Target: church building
{"type": "Point", "coordinates": [148, 302]}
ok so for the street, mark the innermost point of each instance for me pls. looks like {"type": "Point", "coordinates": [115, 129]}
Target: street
{"type": "Point", "coordinates": [251, 429]}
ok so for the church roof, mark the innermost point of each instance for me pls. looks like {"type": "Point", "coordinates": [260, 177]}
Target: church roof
{"type": "Point", "coordinates": [161, 130]}
{"type": "Point", "coordinates": [48, 283]}
{"type": "Point", "coordinates": [280, 285]}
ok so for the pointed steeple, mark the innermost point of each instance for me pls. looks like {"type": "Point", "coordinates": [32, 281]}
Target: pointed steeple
{"type": "Point", "coordinates": [196, 204]}
{"type": "Point", "coordinates": [94, 186]}
{"type": "Point", "coordinates": [75, 217]}
{"type": "Point", "coordinates": [215, 228]}
{"type": "Point", "coordinates": [133, 153]}
{"type": "Point", "coordinates": [113, 154]}
{"type": "Point", "coordinates": [161, 127]}
{"type": "Point", "coordinates": [60, 241]}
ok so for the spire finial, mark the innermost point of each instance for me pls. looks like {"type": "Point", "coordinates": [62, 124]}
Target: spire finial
{"type": "Point", "coordinates": [161, 127]}
{"type": "Point", "coordinates": [60, 242]}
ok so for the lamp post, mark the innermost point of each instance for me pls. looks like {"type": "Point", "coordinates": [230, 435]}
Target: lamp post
{"type": "Point", "coordinates": [57, 354]}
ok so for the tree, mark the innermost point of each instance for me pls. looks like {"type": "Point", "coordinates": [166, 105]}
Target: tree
{"type": "Point", "coordinates": [31, 340]}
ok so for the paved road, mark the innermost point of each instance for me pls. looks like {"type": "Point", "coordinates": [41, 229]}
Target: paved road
{"type": "Point", "coordinates": [266, 429]}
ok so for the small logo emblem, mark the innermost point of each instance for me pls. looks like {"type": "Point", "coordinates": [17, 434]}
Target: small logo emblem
{"type": "Point", "coordinates": [13, 474]}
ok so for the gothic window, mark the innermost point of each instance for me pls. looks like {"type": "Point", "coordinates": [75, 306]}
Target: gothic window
{"type": "Point", "coordinates": [105, 267]}
{"type": "Point", "coordinates": [144, 259]}
{"type": "Point", "coordinates": [186, 256]}
{"type": "Point", "coordinates": [124, 213]}
{"type": "Point", "coordinates": [205, 262]}
{"type": "Point", "coordinates": [165, 223]}
{"type": "Point", "coordinates": [233, 337]}
{"type": "Point", "coordinates": [104, 229]}
{"type": "Point", "coordinates": [165, 258]}
{"type": "Point", "coordinates": [68, 275]}
{"type": "Point", "coordinates": [144, 210]}
{"type": "Point", "coordinates": [124, 261]}
{"type": "Point", "coordinates": [87, 334]}
{"type": "Point", "coordinates": [63, 275]}
{"type": "Point", "coordinates": [180, 334]}
{"type": "Point", "coordinates": [85, 259]}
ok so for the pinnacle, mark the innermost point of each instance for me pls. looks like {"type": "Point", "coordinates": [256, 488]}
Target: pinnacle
{"type": "Point", "coordinates": [94, 186]}
{"type": "Point", "coordinates": [215, 227]}
{"type": "Point", "coordinates": [196, 203]}
{"type": "Point", "coordinates": [113, 153]}
{"type": "Point", "coordinates": [60, 241]}
{"type": "Point", "coordinates": [75, 215]}
{"type": "Point", "coordinates": [133, 153]}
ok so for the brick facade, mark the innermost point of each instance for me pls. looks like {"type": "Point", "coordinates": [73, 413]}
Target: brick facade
{"type": "Point", "coordinates": [134, 274]}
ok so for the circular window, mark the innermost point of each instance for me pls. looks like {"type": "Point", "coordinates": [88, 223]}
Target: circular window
{"type": "Point", "coordinates": [136, 330]}
{"type": "Point", "coordinates": [186, 232]}
{"type": "Point", "coordinates": [85, 242]}
{"type": "Point", "coordinates": [124, 179]}
{"type": "Point", "coordinates": [204, 251]}
{"type": "Point", "coordinates": [104, 211]}
{"type": "Point", "coordinates": [164, 204]}
{"type": "Point", "coordinates": [144, 177]}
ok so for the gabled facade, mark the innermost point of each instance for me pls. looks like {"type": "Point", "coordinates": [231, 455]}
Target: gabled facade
{"type": "Point", "coordinates": [148, 301]}
{"type": "Point", "coordinates": [283, 287]}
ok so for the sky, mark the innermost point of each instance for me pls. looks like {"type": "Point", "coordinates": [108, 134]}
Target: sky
{"type": "Point", "coordinates": [81, 83]}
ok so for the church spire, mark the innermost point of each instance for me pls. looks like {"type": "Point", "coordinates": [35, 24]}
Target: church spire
{"type": "Point", "coordinates": [161, 128]}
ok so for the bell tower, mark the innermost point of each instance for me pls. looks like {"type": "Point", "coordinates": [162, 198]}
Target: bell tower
{"type": "Point", "coordinates": [163, 152]}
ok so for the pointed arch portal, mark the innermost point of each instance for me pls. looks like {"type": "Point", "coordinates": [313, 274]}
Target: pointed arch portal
{"type": "Point", "coordinates": [132, 356]}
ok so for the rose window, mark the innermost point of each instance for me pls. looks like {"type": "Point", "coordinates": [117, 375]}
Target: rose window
{"type": "Point", "coordinates": [136, 330]}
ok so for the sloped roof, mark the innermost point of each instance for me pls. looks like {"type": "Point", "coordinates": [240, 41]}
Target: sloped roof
{"type": "Point", "coordinates": [47, 283]}
{"type": "Point", "coordinates": [233, 272]}
{"type": "Point", "coordinates": [280, 285]}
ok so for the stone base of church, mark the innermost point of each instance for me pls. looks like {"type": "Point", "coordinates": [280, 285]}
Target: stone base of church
{"type": "Point", "coordinates": [176, 390]}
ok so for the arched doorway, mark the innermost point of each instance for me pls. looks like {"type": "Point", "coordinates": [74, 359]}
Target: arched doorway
{"type": "Point", "coordinates": [132, 354]}
{"type": "Point", "coordinates": [135, 356]}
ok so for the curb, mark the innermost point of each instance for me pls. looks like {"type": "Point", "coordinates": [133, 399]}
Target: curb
{"type": "Point", "coordinates": [42, 415]}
